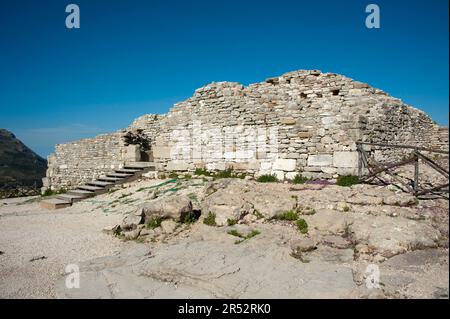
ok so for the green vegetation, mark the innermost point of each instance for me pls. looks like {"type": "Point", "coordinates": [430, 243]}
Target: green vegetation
{"type": "Point", "coordinates": [347, 180]}
{"type": "Point", "coordinates": [118, 232]}
{"type": "Point", "coordinates": [193, 197]}
{"type": "Point", "coordinates": [210, 220]}
{"type": "Point", "coordinates": [267, 179]}
{"type": "Point", "coordinates": [190, 218]}
{"type": "Point", "coordinates": [299, 179]}
{"type": "Point", "coordinates": [49, 192]}
{"type": "Point", "coordinates": [289, 215]}
{"type": "Point", "coordinates": [154, 222]}
{"type": "Point", "coordinates": [235, 233]}
{"type": "Point", "coordinates": [258, 214]}
{"type": "Point", "coordinates": [231, 221]}
{"type": "Point", "coordinates": [302, 225]}
{"type": "Point", "coordinates": [202, 172]}
{"type": "Point", "coordinates": [173, 175]}
{"type": "Point", "coordinates": [228, 173]}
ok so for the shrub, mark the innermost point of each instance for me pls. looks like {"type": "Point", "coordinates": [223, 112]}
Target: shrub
{"type": "Point", "coordinates": [190, 217]}
{"type": "Point", "coordinates": [347, 180]}
{"type": "Point", "coordinates": [210, 220]}
{"type": "Point", "coordinates": [231, 221]}
{"type": "Point", "coordinates": [302, 226]}
{"type": "Point", "coordinates": [154, 222]}
{"type": "Point", "coordinates": [49, 192]}
{"type": "Point", "coordinates": [299, 179]}
{"type": "Point", "coordinates": [201, 171]}
{"type": "Point", "coordinates": [228, 173]}
{"type": "Point", "coordinates": [267, 179]}
{"type": "Point", "coordinates": [173, 175]}
{"type": "Point", "coordinates": [289, 215]}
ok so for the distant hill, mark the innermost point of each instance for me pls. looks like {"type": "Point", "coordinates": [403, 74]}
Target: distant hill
{"type": "Point", "coordinates": [18, 163]}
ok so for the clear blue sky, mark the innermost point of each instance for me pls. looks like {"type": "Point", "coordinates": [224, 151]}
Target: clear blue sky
{"type": "Point", "coordinates": [135, 57]}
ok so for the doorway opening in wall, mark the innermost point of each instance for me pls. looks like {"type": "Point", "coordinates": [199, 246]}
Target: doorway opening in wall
{"type": "Point", "coordinates": [146, 156]}
{"type": "Point", "coordinates": [139, 146]}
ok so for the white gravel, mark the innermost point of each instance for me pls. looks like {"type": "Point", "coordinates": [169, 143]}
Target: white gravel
{"type": "Point", "coordinates": [63, 236]}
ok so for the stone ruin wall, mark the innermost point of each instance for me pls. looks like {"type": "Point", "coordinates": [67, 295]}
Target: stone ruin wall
{"type": "Point", "coordinates": [81, 161]}
{"type": "Point", "coordinates": [302, 121]}
{"type": "Point", "coordinates": [318, 118]}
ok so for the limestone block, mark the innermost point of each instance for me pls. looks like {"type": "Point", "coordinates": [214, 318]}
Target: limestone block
{"type": "Point", "coordinates": [288, 121]}
{"type": "Point", "coordinates": [161, 152]}
{"type": "Point", "coordinates": [327, 120]}
{"type": "Point", "coordinates": [303, 135]}
{"type": "Point", "coordinates": [266, 166]}
{"type": "Point", "coordinates": [287, 165]}
{"type": "Point", "coordinates": [345, 159]}
{"type": "Point", "coordinates": [133, 153]}
{"type": "Point", "coordinates": [320, 160]}
{"type": "Point", "coordinates": [178, 166]}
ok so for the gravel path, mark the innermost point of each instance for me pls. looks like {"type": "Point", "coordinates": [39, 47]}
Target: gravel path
{"type": "Point", "coordinates": [54, 238]}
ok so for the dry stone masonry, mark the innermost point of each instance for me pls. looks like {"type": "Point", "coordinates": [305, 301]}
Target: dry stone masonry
{"type": "Point", "coordinates": [304, 122]}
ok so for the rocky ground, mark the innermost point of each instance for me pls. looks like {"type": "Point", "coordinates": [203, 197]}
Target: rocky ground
{"type": "Point", "coordinates": [230, 238]}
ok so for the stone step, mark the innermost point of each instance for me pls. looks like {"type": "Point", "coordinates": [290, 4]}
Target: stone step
{"type": "Point", "coordinates": [99, 184]}
{"type": "Point", "coordinates": [94, 189]}
{"type": "Point", "coordinates": [70, 198]}
{"type": "Point", "coordinates": [110, 179]}
{"type": "Point", "coordinates": [127, 171]}
{"type": "Point", "coordinates": [55, 203]}
{"type": "Point", "coordinates": [120, 175]}
{"type": "Point", "coordinates": [79, 192]}
{"type": "Point", "coordinates": [139, 165]}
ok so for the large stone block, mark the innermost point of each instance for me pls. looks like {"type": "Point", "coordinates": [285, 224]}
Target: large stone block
{"type": "Point", "coordinates": [179, 166]}
{"type": "Point", "coordinates": [161, 151]}
{"type": "Point", "coordinates": [133, 153]}
{"type": "Point", "coordinates": [282, 164]}
{"type": "Point", "coordinates": [320, 160]}
{"type": "Point", "coordinates": [345, 159]}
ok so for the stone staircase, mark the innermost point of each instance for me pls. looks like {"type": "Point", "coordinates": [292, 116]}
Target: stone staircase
{"type": "Point", "coordinates": [129, 173]}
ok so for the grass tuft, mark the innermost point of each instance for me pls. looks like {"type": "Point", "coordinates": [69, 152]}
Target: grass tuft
{"type": "Point", "coordinates": [267, 179]}
{"type": "Point", "coordinates": [302, 226]}
{"type": "Point", "coordinates": [347, 180]}
{"type": "Point", "coordinates": [210, 220]}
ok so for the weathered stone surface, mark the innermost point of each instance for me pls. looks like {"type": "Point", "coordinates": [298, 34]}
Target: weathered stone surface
{"type": "Point", "coordinates": [389, 236]}
{"type": "Point", "coordinates": [345, 159]}
{"type": "Point", "coordinates": [320, 160]}
{"type": "Point", "coordinates": [303, 245]}
{"type": "Point", "coordinates": [130, 221]}
{"type": "Point", "coordinates": [287, 165]}
{"type": "Point", "coordinates": [328, 221]}
{"type": "Point", "coordinates": [168, 226]}
{"type": "Point", "coordinates": [174, 207]}
{"type": "Point", "coordinates": [213, 268]}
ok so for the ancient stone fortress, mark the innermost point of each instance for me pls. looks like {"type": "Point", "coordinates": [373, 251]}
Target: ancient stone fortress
{"type": "Point", "coordinates": [304, 122]}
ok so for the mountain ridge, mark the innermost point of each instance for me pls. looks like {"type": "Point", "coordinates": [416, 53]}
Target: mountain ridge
{"type": "Point", "coordinates": [18, 163]}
